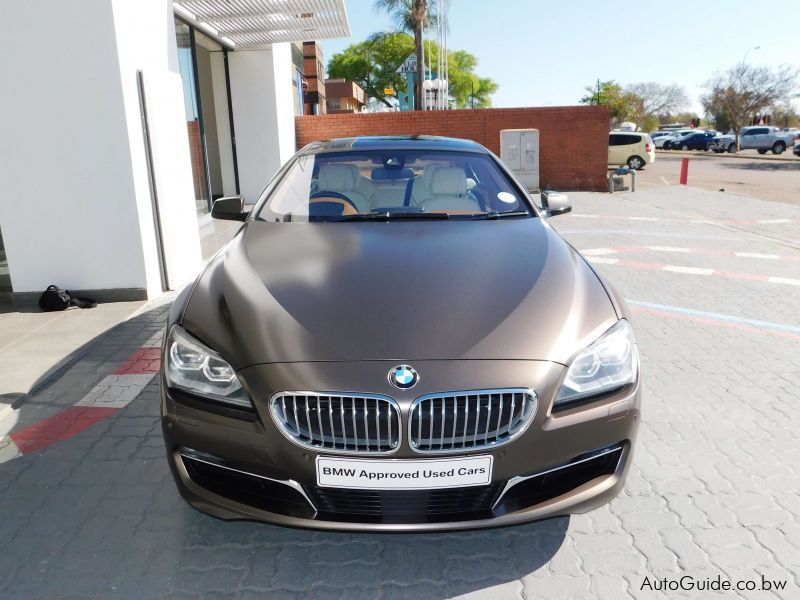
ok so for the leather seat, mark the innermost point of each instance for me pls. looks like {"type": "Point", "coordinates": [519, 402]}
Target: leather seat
{"type": "Point", "coordinates": [389, 187]}
{"type": "Point", "coordinates": [344, 179]}
{"type": "Point", "coordinates": [421, 188]}
{"type": "Point", "coordinates": [449, 192]}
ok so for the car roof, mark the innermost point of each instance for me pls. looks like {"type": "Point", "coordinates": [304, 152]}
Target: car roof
{"type": "Point", "coordinates": [393, 142]}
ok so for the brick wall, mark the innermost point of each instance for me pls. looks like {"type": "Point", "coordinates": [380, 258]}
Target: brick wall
{"type": "Point", "coordinates": [196, 151]}
{"type": "Point", "coordinates": [573, 139]}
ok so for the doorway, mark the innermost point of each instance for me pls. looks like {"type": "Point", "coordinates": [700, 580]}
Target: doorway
{"type": "Point", "coordinates": [5, 276]}
{"type": "Point", "coordinates": [203, 67]}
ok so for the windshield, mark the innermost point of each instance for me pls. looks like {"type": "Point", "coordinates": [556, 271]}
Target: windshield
{"type": "Point", "coordinates": [388, 184]}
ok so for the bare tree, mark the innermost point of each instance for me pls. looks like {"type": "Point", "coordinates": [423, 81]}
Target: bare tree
{"type": "Point", "coordinates": [657, 99]}
{"type": "Point", "coordinates": [745, 90]}
{"type": "Point", "coordinates": [784, 111]}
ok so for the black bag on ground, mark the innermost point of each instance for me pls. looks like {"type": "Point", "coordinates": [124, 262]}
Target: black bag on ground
{"type": "Point", "coordinates": [54, 298]}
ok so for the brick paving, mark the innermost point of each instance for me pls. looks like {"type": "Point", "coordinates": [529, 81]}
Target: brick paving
{"type": "Point", "coordinates": [714, 490]}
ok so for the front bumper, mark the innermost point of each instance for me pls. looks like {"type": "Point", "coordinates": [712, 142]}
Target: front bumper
{"type": "Point", "coordinates": [566, 462]}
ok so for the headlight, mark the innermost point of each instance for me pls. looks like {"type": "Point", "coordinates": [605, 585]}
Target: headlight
{"type": "Point", "coordinates": [193, 367]}
{"type": "Point", "coordinates": [608, 364]}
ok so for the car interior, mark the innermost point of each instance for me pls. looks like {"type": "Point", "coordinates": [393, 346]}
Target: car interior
{"type": "Point", "coordinates": [435, 188]}
{"type": "Point", "coordinates": [400, 183]}
{"type": "Point", "coordinates": [330, 185]}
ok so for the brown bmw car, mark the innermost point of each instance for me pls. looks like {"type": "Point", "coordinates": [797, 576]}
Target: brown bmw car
{"type": "Point", "coordinates": [396, 339]}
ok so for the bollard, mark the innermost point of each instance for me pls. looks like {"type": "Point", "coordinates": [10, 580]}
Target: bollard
{"type": "Point", "coordinates": [633, 181]}
{"type": "Point", "coordinates": [684, 171]}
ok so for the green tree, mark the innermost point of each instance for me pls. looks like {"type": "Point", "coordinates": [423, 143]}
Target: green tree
{"type": "Point", "coordinates": [412, 16]}
{"type": "Point", "coordinates": [372, 64]}
{"type": "Point", "coordinates": [467, 88]}
{"type": "Point", "coordinates": [623, 105]}
{"type": "Point", "coordinates": [716, 114]}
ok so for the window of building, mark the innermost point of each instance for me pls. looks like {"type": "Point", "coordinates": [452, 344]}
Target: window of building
{"type": "Point", "coordinates": [197, 54]}
{"type": "Point", "coordinates": [5, 276]}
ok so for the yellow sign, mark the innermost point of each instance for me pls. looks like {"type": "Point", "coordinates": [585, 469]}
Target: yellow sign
{"type": "Point", "coordinates": [389, 91]}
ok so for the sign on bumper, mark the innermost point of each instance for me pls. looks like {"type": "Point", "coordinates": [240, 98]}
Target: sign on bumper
{"type": "Point", "coordinates": [404, 474]}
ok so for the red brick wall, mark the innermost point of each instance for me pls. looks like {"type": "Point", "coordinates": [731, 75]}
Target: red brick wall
{"type": "Point", "coordinates": [198, 164]}
{"type": "Point", "coordinates": [573, 140]}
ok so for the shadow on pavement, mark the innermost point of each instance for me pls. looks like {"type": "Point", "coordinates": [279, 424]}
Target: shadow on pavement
{"type": "Point", "coordinates": [99, 514]}
{"type": "Point", "coordinates": [764, 165]}
{"type": "Point", "coordinates": [67, 381]}
{"type": "Point", "coordinates": [38, 347]}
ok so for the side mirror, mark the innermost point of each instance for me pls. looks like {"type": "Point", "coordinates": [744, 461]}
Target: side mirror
{"type": "Point", "coordinates": [230, 208]}
{"type": "Point", "coordinates": [555, 203]}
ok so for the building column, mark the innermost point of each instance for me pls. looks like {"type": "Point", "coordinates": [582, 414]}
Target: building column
{"type": "Point", "coordinates": [263, 114]}
{"type": "Point", "coordinates": [77, 208]}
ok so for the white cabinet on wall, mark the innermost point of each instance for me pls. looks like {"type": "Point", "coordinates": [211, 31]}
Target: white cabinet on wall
{"type": "Point", "coordinates": [519, 150]}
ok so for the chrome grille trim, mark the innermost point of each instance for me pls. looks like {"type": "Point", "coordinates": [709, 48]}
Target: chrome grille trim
{"type": "Point", "coordinates": [590, 456]}
{"type": "Point", "coordinates": [479, 419]}
{"type": "Point", "coordinates": [366, 424]}
{"type": "Point", "coordinates": [212, 460]}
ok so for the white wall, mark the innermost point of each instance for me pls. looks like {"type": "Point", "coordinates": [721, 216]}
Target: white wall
{"type": "Point", "coordinates": [68, 199]}
{"type": "Point", "coordinates": [153, 22]}
{"type": "Point", "coordinates": [76, 205]}
{"type": "Point", "coordinates": [263, 114]}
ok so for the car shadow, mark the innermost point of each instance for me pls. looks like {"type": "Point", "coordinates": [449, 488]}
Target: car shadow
{"type": "Point", "coordinates": [98, 513]}
{"type": "Point", "coordinates": [369, 565]}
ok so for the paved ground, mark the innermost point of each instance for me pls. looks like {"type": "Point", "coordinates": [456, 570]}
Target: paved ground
{"type": "Point", "coordinates": [771, 177]}
{"type": "Point", "coordinates": [88, 508]}
{"type": "Point", "coordinates": [35, 345]}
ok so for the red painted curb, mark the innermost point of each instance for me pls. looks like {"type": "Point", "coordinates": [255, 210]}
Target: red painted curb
{"type": "Point", "coordinates": [142, 362]}
{"type": "Point", "coordinates": [59, 427]}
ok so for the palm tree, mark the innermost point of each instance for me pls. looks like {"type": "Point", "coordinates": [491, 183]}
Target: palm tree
{"type": "Point", "coordinates": [412, 16]}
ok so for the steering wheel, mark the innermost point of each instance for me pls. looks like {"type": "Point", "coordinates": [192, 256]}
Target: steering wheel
{"type": "Point", "coordinates": [345, 201]}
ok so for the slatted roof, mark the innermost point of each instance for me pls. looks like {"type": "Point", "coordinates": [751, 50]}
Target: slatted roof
{"type": "Point", "coordinates": [258, 23]}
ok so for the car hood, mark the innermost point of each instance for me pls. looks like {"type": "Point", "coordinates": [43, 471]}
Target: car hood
{"type": "Point", "coordinates": [412, 290]}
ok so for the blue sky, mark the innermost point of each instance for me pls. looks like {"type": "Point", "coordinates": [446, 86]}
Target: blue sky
{"type": "Point", "coordinates": [543, 53]}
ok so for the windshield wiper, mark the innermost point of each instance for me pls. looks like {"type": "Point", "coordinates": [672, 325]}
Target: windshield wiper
{"type": "Point", "coordinates": [392, 216]}
{"type": "Point", "coordinates": [502, 215]}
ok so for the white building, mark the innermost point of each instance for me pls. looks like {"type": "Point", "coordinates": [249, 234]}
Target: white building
{"type": "Point", "coordinates": [122, 120]}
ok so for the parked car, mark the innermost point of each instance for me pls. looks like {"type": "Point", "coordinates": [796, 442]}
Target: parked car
{"type": "Point", "coordinates": [796, 149]}
{"type": "Point", "coordinates": [661, 140]}
{"type": "Point", "coordinates": [794, 131]}
{"type": "Point", "coordinates": [630, 148]}
{"type": "Point", "coordinates": [339, 366]}
{"type": "Point", "coordinates": [659, 137]}
{"type": "Point", "coordinates": [697, 140]}
{"type": "Point", "coordinates": [669, 143]}
{"type": "Point", "coordinates": [758, 137]}
{"type": "Point", "coordinates": [723, 143]}
{"type": "Point", "coordinates": [765, 139]}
